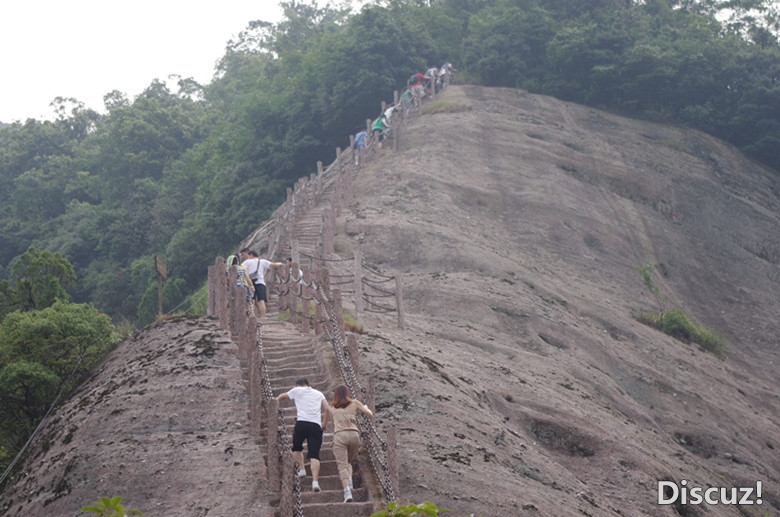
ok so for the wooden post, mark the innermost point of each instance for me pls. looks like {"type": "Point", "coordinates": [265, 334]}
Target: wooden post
{"type": "Point", "coordinates": [370, 401]}
{"type": "Point", "coordinates": [272, 438]}
{"type": "Point", "coordinates": [399, 302]}
{"type": "Point", "coordinates": [162, 274]}
{"type": "Point", "coordinates": [305, 304]}
{"type": "Point", "coordinates": [211, 306]}
{"type": "Point", "coordinates": [293, 285]}
{"type": "Point", "coordinates": [255, 402]}
{"type": "Point", "coordinates": [358, 281]}
{"type": "Point", "coordinates": [323, 281]}
{"type": "Point", "coordinates": [392, 459]}
{"type": "Point", "coordinates": [286, 502]}
{"type": "Point", "coordinates": [319, 177]}
{"type": "Point", "coordinates": [338, 312]}
{"type": "Point", "coordinates": [352, 349]}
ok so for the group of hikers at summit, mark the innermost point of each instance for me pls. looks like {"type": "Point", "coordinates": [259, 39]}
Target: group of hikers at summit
{"type": "Point", "coordinates": [418, 86]}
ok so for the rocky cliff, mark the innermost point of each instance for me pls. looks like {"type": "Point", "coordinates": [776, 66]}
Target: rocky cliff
{"type": "Point", "coordinates": [521, 383]}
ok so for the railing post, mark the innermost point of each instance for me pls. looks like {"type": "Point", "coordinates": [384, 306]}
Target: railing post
{"type": "Point", "coordinates": [319, 177]}
{"type": "Point", "coordinates": [292, 290]}
{"type": "Point", "coordinates": [272, 437]}
{"type": "Point", "coordinates": [211, 306]}
{"type": "Point", "coordinates": [358, 282]}
{"type": "Point", "coordinates": [370, 401]}
{"type": "Point", "coordinates": [392, 459]}
{"type": "Point", "coordinates": [338, 312]}
{"type": "Point", "coordinates": [305, 304]}
{"type": "Point", "coordinates": [255, 398]}
{"type": "Point", "coordinates": [399, 302]}
{"type": "Point", "coordinates": [323, 282]}
{"type": "Point", "coordinates": [286, 502]}
{"type": "Point", "coordinates": [352, 350]}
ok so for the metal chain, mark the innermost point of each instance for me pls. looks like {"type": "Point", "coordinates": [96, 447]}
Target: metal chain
{"type": "Point", "coordinates": [371, 439]}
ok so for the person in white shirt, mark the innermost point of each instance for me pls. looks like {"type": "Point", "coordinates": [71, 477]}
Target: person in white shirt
{"type": "Point", "coordinates": [257, 267]}
{"type": "Point", "coordinates": [312, 412]}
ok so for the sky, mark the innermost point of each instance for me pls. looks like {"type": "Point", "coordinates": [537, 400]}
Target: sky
{"type": "Point", "coordinates": [85, 49]}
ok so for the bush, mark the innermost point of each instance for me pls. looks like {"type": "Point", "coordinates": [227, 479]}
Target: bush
{"type": "Point", "coordinates": [410, 510]}
{"type": "Point", "coordinates": [110, 507]}
{"type": "Point", "coordinates": [674, 322]}
{"type": "Point", "coordinates": [677, 324]}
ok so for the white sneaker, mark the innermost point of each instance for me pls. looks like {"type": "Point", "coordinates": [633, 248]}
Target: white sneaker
{"type": "Point", "coordinates": [347, 495]}
{"type": "Point", "coordinates": [315, 486]}
{"type": "Point", "coordinates": [302, 473]}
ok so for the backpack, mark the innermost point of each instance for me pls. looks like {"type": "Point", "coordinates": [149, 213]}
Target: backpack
{"type": "Point", "coordinates": [414, 79]}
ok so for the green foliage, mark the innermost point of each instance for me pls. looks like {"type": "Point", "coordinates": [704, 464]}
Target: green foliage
{"type": "Point", "coordinates": [64, 338]}
{"type": "Point", "coordinates": [674, 322]}
{"type": "Point", "coordinates": [351, 324]}
{"type": "Point", "coordinates": [26, 391]}
{"type": "Point", "coordinates": [38, 279]}
{"type": "Point", "coordinates": [677, 324]}
{"type": "Point", "coordinates": [110, 507]}
{"type": "Point", "coordinates": [410, 510]}
{"type": "Point", "coordinates": [646, 272]}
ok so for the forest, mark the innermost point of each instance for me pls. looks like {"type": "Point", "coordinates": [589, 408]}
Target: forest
{"type": "Point", "coordinates": [88, 199]}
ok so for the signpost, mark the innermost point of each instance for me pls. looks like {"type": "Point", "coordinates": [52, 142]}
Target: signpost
{"type": "Point", "coordinates": [162, 274]}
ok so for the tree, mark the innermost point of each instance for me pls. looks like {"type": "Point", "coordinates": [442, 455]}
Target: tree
{"type": "Point", "coordinates": [27, 389]}
{"type": "Point", "coordinates": [66, 338]}
{"type": "Point", "coordinates": [38, 280]}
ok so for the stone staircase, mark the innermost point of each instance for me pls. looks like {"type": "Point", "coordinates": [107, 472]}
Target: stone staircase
{"type": "Point", "coordinates": [289, 356]}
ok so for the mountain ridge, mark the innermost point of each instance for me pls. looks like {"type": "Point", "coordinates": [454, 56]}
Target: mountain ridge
{"type": "Point", "coordinates": [521, 383]}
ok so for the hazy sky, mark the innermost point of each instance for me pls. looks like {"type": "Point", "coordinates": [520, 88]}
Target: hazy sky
{"type": "Point", "coordinates": [87, 48]}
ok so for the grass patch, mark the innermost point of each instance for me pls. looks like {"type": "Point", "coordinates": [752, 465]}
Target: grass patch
{"type": "Point", "coordinates": [674, 322]}
{"type": "Point", "coordinates": [352, 325]}
{"type": "Point", "coordinates": [677, 324]}
{"type": "Point", "coordinates": [443, 107]}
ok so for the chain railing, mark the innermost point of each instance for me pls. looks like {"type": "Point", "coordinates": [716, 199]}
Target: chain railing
{"type": "Point", "coordinates": [332, 319]}
{"type": "Point", "coordinates": [242, 324]}
{"type": "Point", "coordinates": [328, 316]}
{"type": "Point", "coordinates": [239, 319]}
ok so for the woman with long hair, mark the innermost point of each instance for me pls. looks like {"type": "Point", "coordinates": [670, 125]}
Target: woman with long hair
{"type": "Point", "coordinates": [346, 435]}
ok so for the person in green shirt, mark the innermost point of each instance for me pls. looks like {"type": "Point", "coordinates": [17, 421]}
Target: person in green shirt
{"type": "Point", "coordinates": [383, 127]}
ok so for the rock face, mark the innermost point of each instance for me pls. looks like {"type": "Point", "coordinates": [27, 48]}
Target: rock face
{"type": "Point", "coordinates": [521, 383]}
{"type": "Point", "coordinates": [162, 423]}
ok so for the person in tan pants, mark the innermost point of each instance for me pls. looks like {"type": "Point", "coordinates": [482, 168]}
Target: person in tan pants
{"type": "Point", "coordinates": [346, 434]}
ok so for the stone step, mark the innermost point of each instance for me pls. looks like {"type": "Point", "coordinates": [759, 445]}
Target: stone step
{"type": "Point", "coordinates": [308, 497]}
{"type": "Point", "coordinates": [279, 355]}
{"type": "Point", "coordinates": [354, 509]}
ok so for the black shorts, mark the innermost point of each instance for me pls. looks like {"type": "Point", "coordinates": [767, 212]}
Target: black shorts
{"type": "Point", "coordinates": [310, 432]}
{"type": "Point", "coordinates": [260, 293]}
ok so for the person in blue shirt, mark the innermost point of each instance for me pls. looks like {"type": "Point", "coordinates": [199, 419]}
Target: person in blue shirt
{"type": "Point", "coordinates": [360, 145]}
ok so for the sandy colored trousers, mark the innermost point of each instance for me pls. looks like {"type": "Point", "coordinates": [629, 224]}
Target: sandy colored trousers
{"type": "Point", "coordinates": [345, 447]}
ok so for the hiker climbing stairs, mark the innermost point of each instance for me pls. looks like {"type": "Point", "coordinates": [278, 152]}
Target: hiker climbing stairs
{"type": "Point", "coordinates": [289, 356]}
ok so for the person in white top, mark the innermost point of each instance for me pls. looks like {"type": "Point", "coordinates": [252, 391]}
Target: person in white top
{"type": "Point", "coordinates": [311, 418]}
{"type": "Point", "coordinates": [256, 267]}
